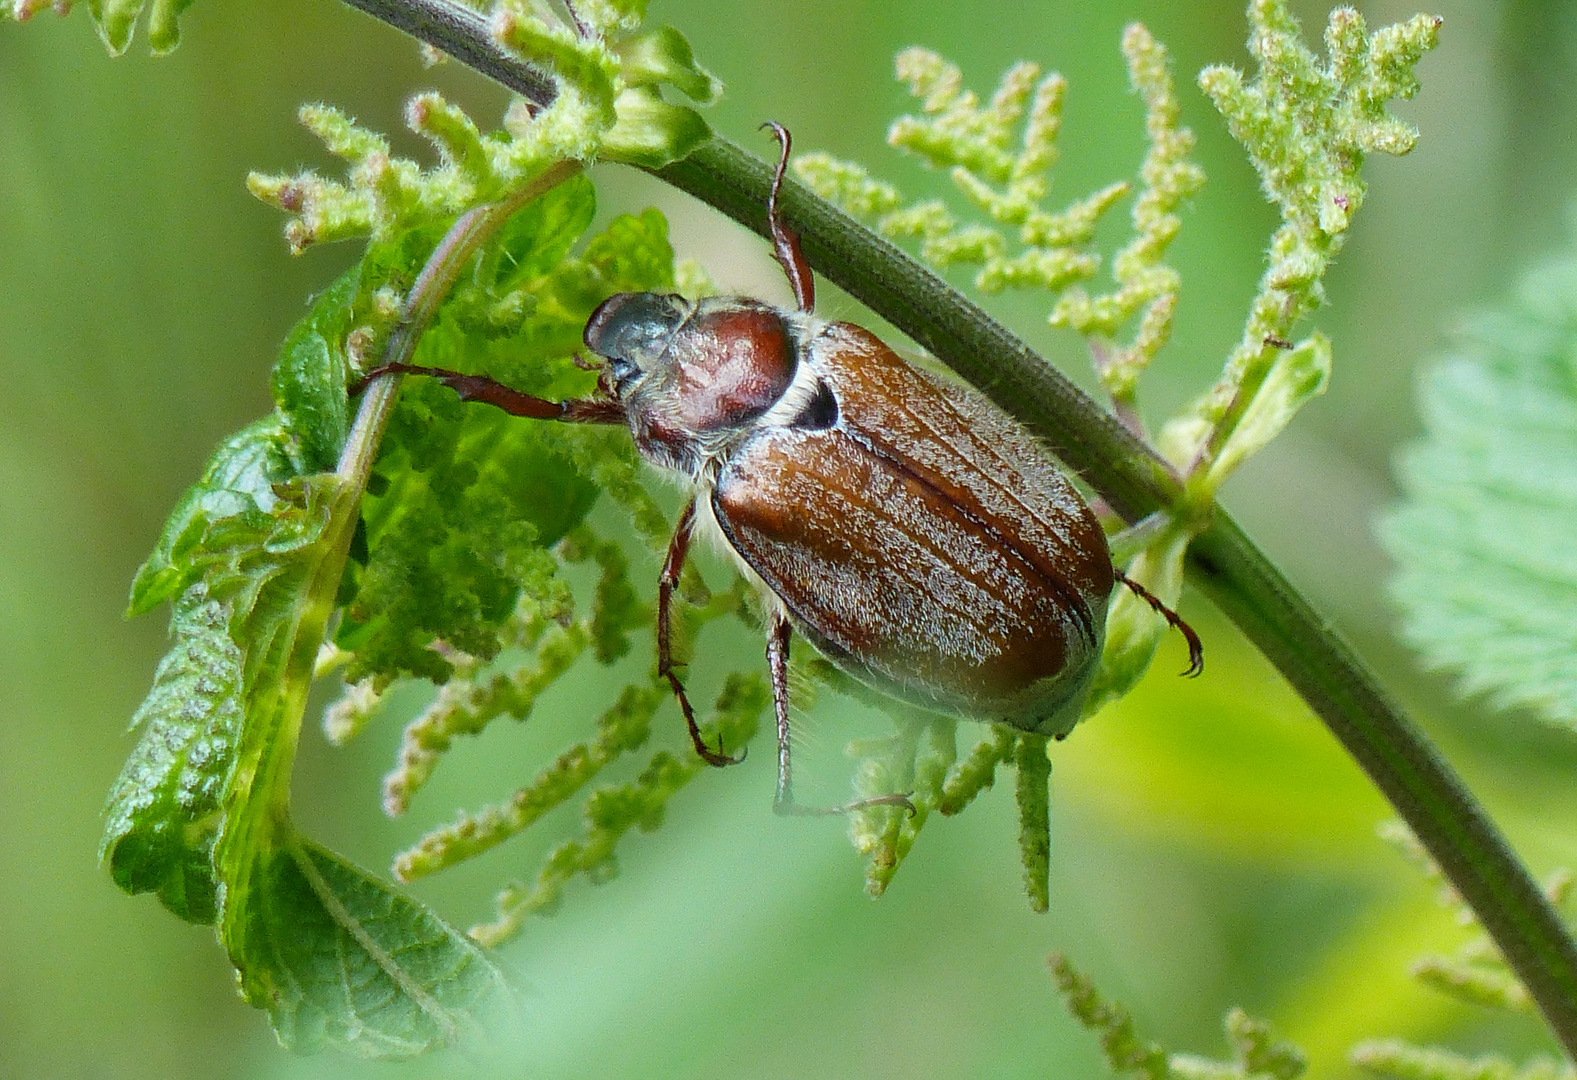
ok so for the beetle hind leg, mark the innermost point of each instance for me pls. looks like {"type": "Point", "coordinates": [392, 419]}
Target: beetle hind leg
{"type": "Point", "coordinates": [783, 802]}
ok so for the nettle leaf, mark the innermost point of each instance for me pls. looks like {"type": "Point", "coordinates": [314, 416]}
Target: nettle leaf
{"type": "Point", "coordinates": [253, 557]}
{"type": "Point", "coordinates": [466, 500]}
{"type": "Point", "coordinates": [237, 484]}
{"type": "Point", "coordinates": [1487, 571]}
{"type": "Point", "coordinates": [309, 378]}
{"type": "Point", "coordinates": [163, 812]}
{"type": "Point", "coordinates": [341, 960]}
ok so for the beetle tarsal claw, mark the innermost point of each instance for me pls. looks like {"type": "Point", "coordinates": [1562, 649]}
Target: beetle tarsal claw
{"type": "Point", "coordinates": [716, 758]}
{"type": "Point", "coordinates": [903, 800]}
{"type": "Point", "coordinates": [1196, 648]}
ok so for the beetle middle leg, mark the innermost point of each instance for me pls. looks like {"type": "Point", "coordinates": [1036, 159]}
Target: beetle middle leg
{"type": "Point", "coordinates": [783, 802]}
{"type": "Point", "coordinates": [673, 565]}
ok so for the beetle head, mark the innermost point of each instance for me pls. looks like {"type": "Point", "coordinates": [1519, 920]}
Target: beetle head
{"type": "Point", "coordinates": [689, 375]}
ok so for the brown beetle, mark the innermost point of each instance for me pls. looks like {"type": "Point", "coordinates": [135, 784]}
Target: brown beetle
{"type": "Point", "coordinates": [907, 526]}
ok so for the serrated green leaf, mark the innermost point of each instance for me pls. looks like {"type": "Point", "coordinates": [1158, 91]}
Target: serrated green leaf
{"type": "Point", "coordinates": [309, 378]}
{"type": "Point", "coordinates": [163, 811]}
{"type": "Point", "coordinates": [632, 254]}
{"type": "Point", "coordinates": [1487, 572]}
{"type": "Point", "coordinates": [341, 960]}
{"type": "Point", "coordinates": [238, 483]}
{"type": "Point", "coordinates": [468, 498]}
{"type": "Point", "coordinates": [538, 236]}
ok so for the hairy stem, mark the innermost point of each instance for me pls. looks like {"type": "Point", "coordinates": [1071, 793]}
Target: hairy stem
{"type": "Point", "coordinates": [427, 294]}
{"type": "Point", "coordinates": [462, 33]}
{"type": "Point", "coordinates": [1401, 761]}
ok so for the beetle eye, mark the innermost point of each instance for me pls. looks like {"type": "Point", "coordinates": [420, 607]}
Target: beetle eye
{"type": "Point", "coordinates": [622, 370]}
{"type": "Point", "coordinates": [630, 326]}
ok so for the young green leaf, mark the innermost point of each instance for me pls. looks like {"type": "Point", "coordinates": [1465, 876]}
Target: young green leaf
{"type": "Point", "coordinates": [309, 378]}
{"type": "Point", "coordinates": [237, 486]}
{"type": "Point", "coordinates": [339, 959]}
{"type": "Point", "coordinates": [164, 810]}
{"type": "Point", "coordinates": [466, 500]}
{"type": "Point", "coordinates": [1486, 575]}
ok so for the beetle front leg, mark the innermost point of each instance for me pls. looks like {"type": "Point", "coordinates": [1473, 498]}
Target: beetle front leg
{"type": "Point", "coordinates": [673, 565]}
{"type": "Point", "coordinates": [594, 410]}
{"type": "Point", "coordinates": [783, 803]}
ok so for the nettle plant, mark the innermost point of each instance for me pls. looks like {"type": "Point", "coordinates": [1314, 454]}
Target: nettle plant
{"type": "Point", "coordinates": [394, 533]}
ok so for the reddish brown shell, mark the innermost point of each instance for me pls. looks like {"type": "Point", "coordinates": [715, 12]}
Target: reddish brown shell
{"type": "Point", "coordinates": [923, 541]}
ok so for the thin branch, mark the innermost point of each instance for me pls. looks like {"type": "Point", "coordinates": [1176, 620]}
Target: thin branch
{"type": "Point", "coordinates": [1401, 761]}
{"type": "Point", "coordinates": [462, 33]}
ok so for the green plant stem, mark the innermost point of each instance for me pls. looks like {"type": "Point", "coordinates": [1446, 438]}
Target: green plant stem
{"type": "Point", "coordinates": [462, 33]}
{"type": "Point", "coordinates": [426, 296]}
{"type": "Point", "coordinates": [1398, 757]}
{"type": "Point", "coordinates": [1401, 761]}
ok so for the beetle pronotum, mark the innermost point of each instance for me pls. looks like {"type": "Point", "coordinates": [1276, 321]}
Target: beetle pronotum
{"type": "Point", "coordinates": [907, 526]}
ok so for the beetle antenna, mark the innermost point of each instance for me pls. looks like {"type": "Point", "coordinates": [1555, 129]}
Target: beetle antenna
{"type": "Point", "coordinates": [1196, 648]}
{"type": "Point", "coordinates": [785, 241]}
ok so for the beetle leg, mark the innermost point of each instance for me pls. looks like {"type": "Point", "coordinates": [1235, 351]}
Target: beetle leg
{"type": "Point", "coordinates": [783, 803]}
{"type": "Point", "coordinates": [785, 241]}
{"type": "Point", "coordinates": [777, 664]}
{"type": "Point", "coordinates": [673, 565]}
{"type": "Point", "coordinates": [492, 392]}
{"type": "Point", "coordinates": [1196, 648]}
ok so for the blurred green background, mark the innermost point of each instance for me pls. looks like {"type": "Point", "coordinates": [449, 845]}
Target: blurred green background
{"type": "Point", "coordinates": [1212, 845]}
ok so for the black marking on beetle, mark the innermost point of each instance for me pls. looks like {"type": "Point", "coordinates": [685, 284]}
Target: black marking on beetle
{"type": "Point", "coordinates": [820, 412]}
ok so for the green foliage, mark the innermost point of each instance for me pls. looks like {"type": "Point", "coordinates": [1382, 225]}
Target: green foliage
{"type": "Point", "coordinates": [1307, 128]}
{"type": "Point", "coordinates": [255, 558]}
{"type": "Point", "coordinates": [1483, 539]}
{"type": "Point", "coordinates": [613, 811]}
{"type": "Point", "coordinates": [252, 560]}
{"type": "Point", "coordinates": [921, 759]}
{"type": "Point", "coordinates": [1255, 1053]}
{"type": "Point", "coordinates": [165, 807]}
{"type": "Point", "coordinates": [999, 156]}
{"type": "Point", "coordinates": [1146, 285]}
{"type": "Point", "coordinates": [607, 75]}
{"type": "Point", "coordinates": [341, 960]}
{"type": "Point", "coordinates": [465, 501]}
